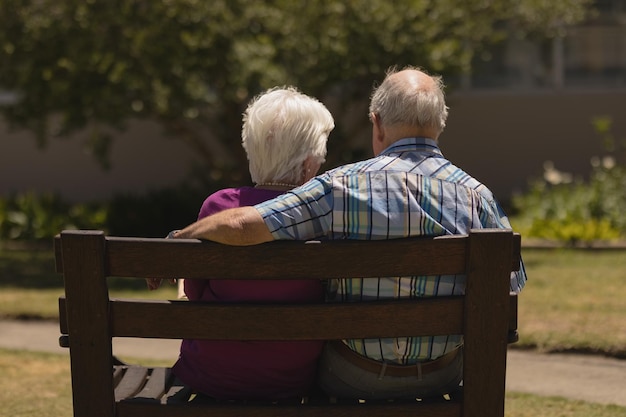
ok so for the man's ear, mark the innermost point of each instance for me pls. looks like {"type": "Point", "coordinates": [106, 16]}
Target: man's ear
{"type": "Point", "coordinates": [378, 134]}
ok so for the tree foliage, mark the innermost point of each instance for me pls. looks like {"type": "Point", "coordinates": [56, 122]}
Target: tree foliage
{"type": "Point", "coordinates": [192, 65]}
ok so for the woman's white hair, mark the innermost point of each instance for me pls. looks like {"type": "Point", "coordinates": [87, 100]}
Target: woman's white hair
{"type": "Point", "coordinates": [282, 127]}
{"type": "Point", "coordinates": [423, 106]}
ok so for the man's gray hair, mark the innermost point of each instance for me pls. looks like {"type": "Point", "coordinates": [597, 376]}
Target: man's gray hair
{"type": "Point", "coordinates": [397, 103]}
{"type": "Point", "coordinates": [281, 128]}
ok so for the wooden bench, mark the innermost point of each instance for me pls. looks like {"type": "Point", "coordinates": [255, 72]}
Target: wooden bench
{"type": "Point", "coordinates": [89, 318]}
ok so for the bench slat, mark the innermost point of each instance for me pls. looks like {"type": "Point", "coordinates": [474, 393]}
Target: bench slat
{"type": "Point", "coordinates": [125, 320]}
{"type": "Point", "coordinates": [132, 381]}
{"type": "Point", "coordinates": [146, 258]}
{"type": "Point", "coordinates": [280, 260]}
{"type": "Point", "coordinates": [161, 319]}
{"type": "Point", "coordinates": [176, 393]}
{"type": "Point", "coordinates": [156, 385]}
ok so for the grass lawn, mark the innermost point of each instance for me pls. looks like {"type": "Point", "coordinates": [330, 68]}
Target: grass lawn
{"type": "Point", "coordinates": [574, 301]}
{"type": "Point", "coordinates": [527, 405]}
{"type": "Point", "coordinates": [48, 375]}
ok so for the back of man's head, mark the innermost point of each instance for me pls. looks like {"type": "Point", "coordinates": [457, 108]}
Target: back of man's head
{"type": "Point", "coordinates": [411, 98]}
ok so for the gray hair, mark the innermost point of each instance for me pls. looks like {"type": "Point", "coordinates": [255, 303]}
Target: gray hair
{"type": "Point", "coordinates": [282, 127]}
{"type": "Point", "coordinates": [414, 104]}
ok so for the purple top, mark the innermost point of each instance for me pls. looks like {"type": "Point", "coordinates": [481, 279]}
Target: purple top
{"type": "Point", "coordinates": [248, 370]}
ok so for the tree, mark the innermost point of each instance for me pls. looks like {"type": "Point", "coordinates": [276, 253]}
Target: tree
{"type": "Point", "coordinates": [192, 65]}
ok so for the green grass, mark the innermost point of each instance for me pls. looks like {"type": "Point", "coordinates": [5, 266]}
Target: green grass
{"type": "Point", "coordinates": [574, 301]}
{"type": "Point", "coordinates": [38, 385]}
{"type": "Point", "coordinates": [35, 384]}
{"type": "Point", "coordinates": [528, 405]}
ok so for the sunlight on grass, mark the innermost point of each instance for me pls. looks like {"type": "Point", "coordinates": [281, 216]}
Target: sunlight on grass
{"type": "Point", "coordinates": [35, 384]}
{"type": "Point", "coordinates": [39, 384]}
{"type": "Point", "coordinates": [29, 303]}
{"type": "Point", "coordinates": [574, 299]}
{"type": "Point", "coordinates": [527, 405]}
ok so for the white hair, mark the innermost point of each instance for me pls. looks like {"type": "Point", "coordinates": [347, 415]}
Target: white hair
{"type": "Point", "coordinates": [282, 127]}
{"type": "Point", "coordinates": [422, 105]}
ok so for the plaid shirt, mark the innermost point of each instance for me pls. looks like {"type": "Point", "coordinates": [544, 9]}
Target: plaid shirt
{"type": "Point", "coordinates": [410, 189]}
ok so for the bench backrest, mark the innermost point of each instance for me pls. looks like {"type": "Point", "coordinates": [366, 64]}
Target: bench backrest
{"type": "Point", "coordinates": [484, 315]}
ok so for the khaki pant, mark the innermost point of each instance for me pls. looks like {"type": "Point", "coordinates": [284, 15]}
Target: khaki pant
{"type": "Point", "coordinates": [342, 379]}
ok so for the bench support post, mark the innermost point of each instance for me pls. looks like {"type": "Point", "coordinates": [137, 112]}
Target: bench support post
{"type": "Point", "coordinates": [486, 323]}
{"type": "Point", "coordinates": [87, 319]}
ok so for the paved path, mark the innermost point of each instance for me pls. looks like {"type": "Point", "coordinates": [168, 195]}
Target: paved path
{"type": "Point", "coordinates": [588, 378]}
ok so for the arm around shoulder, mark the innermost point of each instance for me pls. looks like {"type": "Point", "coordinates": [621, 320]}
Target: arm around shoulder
{"type": "Point", "coordinates": [240, 226]}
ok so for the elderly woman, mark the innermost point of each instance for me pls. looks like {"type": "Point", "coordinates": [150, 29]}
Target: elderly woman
{"type": "Point", "coordinates": [284, 134]}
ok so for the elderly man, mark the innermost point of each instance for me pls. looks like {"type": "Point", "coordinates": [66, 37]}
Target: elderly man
{"type": "Point", "coordinates": [407, 189]}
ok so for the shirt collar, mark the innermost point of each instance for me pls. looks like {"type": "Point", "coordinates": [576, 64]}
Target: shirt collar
{"type": "Point", "coordinates": [413, 145]}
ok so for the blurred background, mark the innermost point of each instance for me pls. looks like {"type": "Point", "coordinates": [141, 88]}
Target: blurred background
{"type": "Point", "coordinates": [124, 115]}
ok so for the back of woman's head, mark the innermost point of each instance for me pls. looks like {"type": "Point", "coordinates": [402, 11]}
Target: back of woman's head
{"type": "Point", "coordinates": [281, 128]}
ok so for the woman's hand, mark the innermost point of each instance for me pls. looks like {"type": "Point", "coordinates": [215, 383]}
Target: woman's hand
{"type": "Point", "coordinates": [154, 283]}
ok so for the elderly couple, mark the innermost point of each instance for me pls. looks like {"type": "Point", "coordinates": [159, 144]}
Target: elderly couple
{"type": "Point", "coordinates": [284, 134]}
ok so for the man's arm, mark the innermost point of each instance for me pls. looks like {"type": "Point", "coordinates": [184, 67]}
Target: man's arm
{"type": "Point", "coordinates": [238, 227]}
{"type": "Point", "coordinates": [241, 226]}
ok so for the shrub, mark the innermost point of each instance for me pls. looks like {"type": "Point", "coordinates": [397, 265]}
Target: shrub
{"type": "Point", "coordinates": [31, 216]}
{"type": "Point", "coordinates": [574, 210]}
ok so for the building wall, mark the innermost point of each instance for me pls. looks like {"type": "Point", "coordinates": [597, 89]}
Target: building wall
{"type": "Point", "coordinates": [503, 139]}
{"type": "Point", "coordinates": [142, 159]}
